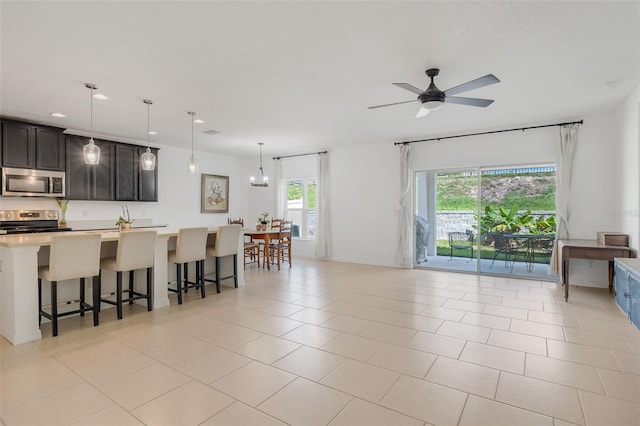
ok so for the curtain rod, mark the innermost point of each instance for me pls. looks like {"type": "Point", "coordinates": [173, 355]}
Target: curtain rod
{"type": "Point", "coordinates": [299, 155]}
{"type": "Point", "coordinates": [490, 132]}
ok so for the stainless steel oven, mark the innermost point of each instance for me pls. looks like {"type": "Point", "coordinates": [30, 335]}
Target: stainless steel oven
{"type": "Point", "coordinates": [32, 183]}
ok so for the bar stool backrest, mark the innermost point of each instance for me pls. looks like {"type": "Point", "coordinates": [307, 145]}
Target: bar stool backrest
{"type": "Point", "coordinates": [227, 240]}
{"type": "Point", "coordinates": [136, 250]}
{"type": "Point", "coordinates": [191, 244]}
{"type": "Point", "coordinates": [74, 256]}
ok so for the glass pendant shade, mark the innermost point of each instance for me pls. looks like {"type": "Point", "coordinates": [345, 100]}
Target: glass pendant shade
{"type": "Point", "coordinates": [192, 165]}
{"type": "Point", "coordinates": [148, 160]}
{"type": "Point", "coordinates": [91, 153]}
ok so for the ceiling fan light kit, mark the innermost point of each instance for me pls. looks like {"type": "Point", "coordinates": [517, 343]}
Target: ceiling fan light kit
{"type": "Point", "coordinates": [433, 98]}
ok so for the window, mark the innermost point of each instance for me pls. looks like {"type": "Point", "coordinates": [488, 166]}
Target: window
{"type": "Point", "coordinates": [301, 207]}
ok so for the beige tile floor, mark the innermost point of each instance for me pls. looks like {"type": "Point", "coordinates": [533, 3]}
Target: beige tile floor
{"type": "Point", "coordinates": [339, 344]}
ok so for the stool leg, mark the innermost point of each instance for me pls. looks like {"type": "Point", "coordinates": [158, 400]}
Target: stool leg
{"type": "Point", "coordinates": [149, 290]}
{"type": "Point", "coordinates": [217, 274]}
{"type": "Point", "coordinates": [82, 298]}
{"type": "Point", "coordinates": [178, 283]}
{"type": "Point", "coordinates": [201, 279]}
{"type": "Point", "coordinates": [119, 294]}
{"type": "Point", "coordinates": [186, 277]}
{"type": "Point", "coordinates": [39, 302]}
{"type": "Point", "coordinates": [54, 307]}
{"type": "Point", "coordinates": [235, 270]}
{"type": "Point", "coordinates": [131, 287]}
{"type": "Point", "coordinates": [99, 305]}
{"type": "Point", "coordinates": [96, 299]}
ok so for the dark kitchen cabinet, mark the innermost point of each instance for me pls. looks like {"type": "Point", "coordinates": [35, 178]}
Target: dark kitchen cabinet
{"type": "Point", "coordinates": [32, 146]}
{"type": "Point", "coordinates": [89, 182]}
{"type": "Point", "coordinates": [148, 179]}
{"type": "Point", "coordinates": [127, 162]}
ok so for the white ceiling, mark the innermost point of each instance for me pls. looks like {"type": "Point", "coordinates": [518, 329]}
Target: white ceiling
{"type": "Point", "coordinates": [299, 76]}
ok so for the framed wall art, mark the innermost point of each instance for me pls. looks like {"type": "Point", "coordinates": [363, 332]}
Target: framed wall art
{"type": "Point", "coordinates": [215, 194]}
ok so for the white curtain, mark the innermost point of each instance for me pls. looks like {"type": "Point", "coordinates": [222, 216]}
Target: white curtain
{"type": "Point", "coordinates": [279, 189]}
{"type": "Point", "coordinates": [405, 229]}
{"type": "Point", "coordinates": [567, 146]}
{"type": "Point", "coordinates": [323, 203]}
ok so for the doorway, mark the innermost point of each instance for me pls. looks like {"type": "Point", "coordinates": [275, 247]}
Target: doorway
{"type": "Point", "coordinates": [493, 220]}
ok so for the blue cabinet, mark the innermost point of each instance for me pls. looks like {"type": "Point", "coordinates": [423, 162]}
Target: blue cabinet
{"type": "Point", "coordinates": [627, 285]}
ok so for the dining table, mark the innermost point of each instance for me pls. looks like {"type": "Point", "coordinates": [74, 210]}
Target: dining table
{"type": "Point", "coordinates": [266, 236]}
{"type": "Point", "coordinates": [532, 243]}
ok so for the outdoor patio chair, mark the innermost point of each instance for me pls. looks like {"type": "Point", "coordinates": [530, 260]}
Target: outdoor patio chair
{"type": "Point", "coordinates": [502, 245]}
{"type": "Point", "coordinates": [460, 241]}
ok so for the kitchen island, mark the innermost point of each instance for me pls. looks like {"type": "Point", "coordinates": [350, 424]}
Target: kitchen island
{"type": "Point", "coordinates": [19, 278]}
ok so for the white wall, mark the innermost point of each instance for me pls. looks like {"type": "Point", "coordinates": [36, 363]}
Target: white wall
{"type": "Point", "coordinates": [628, 130]}
{"type": "Point", "coordinates": [365, 186]}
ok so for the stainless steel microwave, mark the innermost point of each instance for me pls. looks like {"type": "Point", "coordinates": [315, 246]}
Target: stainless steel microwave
{"type": "Point", "coordinates": [32, 183]}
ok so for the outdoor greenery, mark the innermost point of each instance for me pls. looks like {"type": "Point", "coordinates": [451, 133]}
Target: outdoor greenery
{"type": "Point", "coordinates": [294, 192]}
{"type": "Point", "coordinates": [458, 191]}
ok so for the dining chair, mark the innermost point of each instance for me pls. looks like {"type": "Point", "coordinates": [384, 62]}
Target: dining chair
{"type": "Point", "coordinates": [191, 245]}
{"type": "Point", "coordinates": [136, 250]}
{"type": "Point", "coordinates": [71, 257]}
{"type": "Point", "coordinates": [238, 221]}
{"type": "Point", "coordinates": [226, 244]}
{"type": "Point", "coordinates": [280, 248]}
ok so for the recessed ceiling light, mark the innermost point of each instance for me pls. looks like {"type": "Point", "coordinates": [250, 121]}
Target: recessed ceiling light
{"type": "Point", "coordinates": [211, 132]}
{"type": "Point", "coordinates": [151, 132]}
{"type": "Point", "coordinates": [100, 97]}
{"type": "Point", "coordinates": [57, 115]}
{"type": "Point", "coordinates": [198, 121]}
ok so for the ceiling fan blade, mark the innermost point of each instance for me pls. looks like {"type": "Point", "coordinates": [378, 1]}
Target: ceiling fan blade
{"type": "Point", "coordinates": [409, 87]}
{"type": "Point", "coordinates": [473, 84]}
{"type": "Point", "coordinates": [422, 112]}
{"type": "Point", "coordinates": [469, 101]}
{"type": "Point", "coordinates": [386, 105]}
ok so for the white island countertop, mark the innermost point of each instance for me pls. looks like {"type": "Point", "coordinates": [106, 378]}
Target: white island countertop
{"type": "Point", "coordinates": [19, 277]}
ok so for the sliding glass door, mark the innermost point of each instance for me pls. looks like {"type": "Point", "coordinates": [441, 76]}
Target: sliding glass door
{"type": "Point", "coordinates": [499, 221]}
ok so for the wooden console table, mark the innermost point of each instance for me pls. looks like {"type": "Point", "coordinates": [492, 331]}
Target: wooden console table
{"type": "Point", "coordinates": [591, 250]}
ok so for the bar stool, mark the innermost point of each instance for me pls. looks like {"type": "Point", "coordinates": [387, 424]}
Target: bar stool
{"type": "Point", "coordinates": [190, 247]}
{"type": "Point", "coordinates": [71, 256]}
{"type": "Point", "coordinates": [135, 250]}
{"type": "Point", "coordinates": [226, 244]}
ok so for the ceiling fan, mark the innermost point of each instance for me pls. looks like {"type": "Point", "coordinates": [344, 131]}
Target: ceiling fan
{"type": "Point", "coordinates": [434, 98]}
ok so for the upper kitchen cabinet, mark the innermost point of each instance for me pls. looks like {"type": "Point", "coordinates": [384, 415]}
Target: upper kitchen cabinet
{"type": "Point", "coordinates": [126, 172]}
{"type": "Point", "coordinates": [148, 179]}
{"type": "Point", "coordinates": [89, 182]}
{"type": "Point", "coordinates": [32, 146]}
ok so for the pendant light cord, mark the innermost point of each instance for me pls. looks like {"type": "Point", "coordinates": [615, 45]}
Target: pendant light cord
{"type": "Point", "coordinates": [148, 143]}
{"type": "Point", "coordinates": [91, 100]}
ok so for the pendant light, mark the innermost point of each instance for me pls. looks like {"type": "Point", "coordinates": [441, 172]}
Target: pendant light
{"type": "Point", "coordinates": [192, 164]}
{"type": "Point", "coordinates": [148, 158]}
{"type": "Point", "coordinates": [91, 152]}
{"type": "Point", "coordinates": [263, 181]}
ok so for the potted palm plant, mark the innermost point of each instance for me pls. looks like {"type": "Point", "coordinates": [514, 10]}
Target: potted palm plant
{"type": "Point", "coordinates": [124, 221]}
{"type": "Point", "coordinates": [63, 204]}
